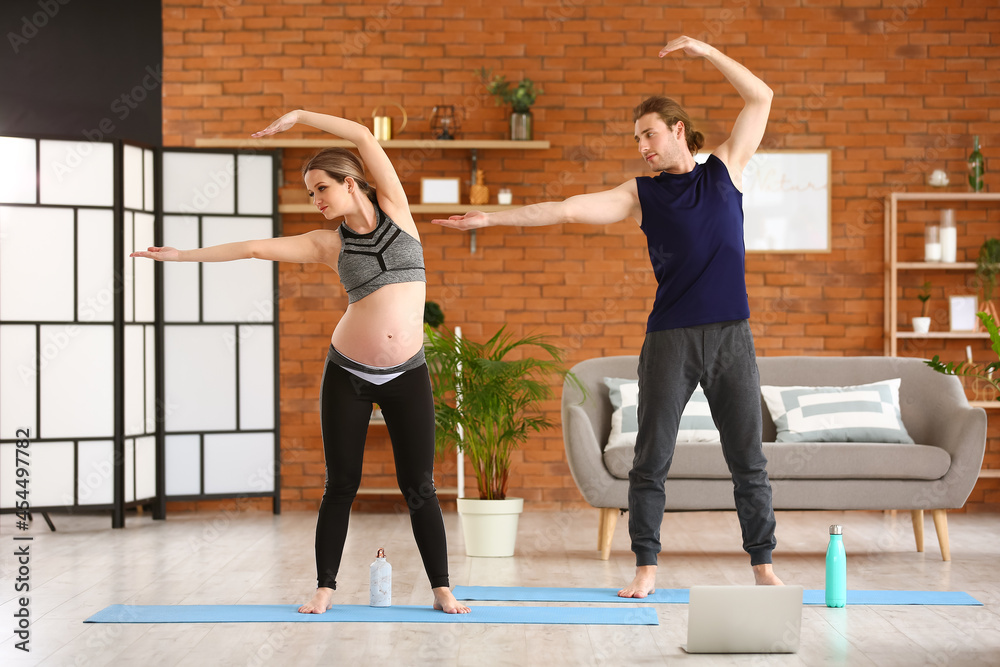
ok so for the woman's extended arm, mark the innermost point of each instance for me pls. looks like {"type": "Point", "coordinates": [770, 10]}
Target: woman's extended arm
{"type": "Point", "coordinates": [320, 246]}
{"type": "Point", "coordinates": [386, 182]}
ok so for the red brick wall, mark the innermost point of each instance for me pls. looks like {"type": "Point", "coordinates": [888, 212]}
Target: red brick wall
{"type": "Point", "coordinates": [893, 90]}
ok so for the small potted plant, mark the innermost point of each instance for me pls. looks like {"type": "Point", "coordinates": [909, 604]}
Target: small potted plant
{"type": "Point", "coordinates": [922, 324]}
{"type": "Point", "coordinates": [487, 404]}
{"type": "Point", "coordinates": [987, 270]}
{"type": "Point", "coordinates": [520, 97]}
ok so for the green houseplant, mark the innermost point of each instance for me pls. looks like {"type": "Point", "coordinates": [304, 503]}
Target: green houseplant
{"type": "Point", "coordinates": [983, 372]}
{"type": "Point", "coordinates": [922, 324]}
{"type": "Point", "coordinates": [487, 403]}
{"type": "Point", "coordinates": [519, 96]}
{"type": "Point", "coordinates": [987, 271]}
{"type": "Point", "coordinates": [433, 315]}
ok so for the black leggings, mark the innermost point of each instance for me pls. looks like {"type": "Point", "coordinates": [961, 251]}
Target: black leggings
{"type": "Point", "coordinates": [408, 406]}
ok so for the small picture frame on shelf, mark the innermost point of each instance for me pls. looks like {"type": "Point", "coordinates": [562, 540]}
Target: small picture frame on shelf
{"type": "Point", "coordinates": [962, 313]}
{"type": "Point", "coordinates": [440, 191]}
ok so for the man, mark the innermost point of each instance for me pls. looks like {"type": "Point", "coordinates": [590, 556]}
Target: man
{"type": "Point", "coordinates": [698, 330]}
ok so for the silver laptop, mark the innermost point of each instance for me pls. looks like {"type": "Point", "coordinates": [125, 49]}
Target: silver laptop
{"type": "Point", "coordinates": [744, 619]}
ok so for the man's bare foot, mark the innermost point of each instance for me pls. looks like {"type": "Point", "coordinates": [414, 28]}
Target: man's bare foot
{"type": "Point", "coordinates": [446, 602]}
{"type": "Point", "coordinates": [320, 602]}
{"type": "Point", "coordinates": [764, 575]}
{"type": "Point", "coordinates": [644, 583]}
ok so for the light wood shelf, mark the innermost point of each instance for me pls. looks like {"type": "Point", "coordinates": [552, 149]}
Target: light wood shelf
{"type": "Point", "coordinates": [945, 196]}
{"type": "Point", "coordinates": [451, 209]}
{"type": "Point", "coordinates": [936, 266]}
{"type": "Point", "coordinates": [893, 266]}
{"type": "Point", "coordinates": [950, 335]}
{"type": "Point", "coordinates": [990, 473]}
{"type": "Point", "coordinates": [393, 491]}
{"type": "Point", "coordinates": [986, 405]}
{"type": "Point", "coordinates": [430, 144]}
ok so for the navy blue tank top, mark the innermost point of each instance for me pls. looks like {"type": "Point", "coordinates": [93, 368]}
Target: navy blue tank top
{"type": "Point", "coordinates": [694, 229]}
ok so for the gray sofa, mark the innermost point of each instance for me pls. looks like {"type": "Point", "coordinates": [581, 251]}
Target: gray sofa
{"type": "Point", "coordinates": [938, 473]}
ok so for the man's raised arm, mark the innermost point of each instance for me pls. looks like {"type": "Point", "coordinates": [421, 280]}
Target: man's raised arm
{"type": "Point", "coordinates": [597, 208]}
{"type": "Point", "coordinates": [748, 131]}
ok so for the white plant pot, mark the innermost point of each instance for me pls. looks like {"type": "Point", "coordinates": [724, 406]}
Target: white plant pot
{"type": "Point", "coordinates": [921, 324]}
{"type": "Point", "coordinates": [490, 526]}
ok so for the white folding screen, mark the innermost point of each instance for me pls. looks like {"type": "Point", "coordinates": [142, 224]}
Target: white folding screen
{"type": "Point", "coordinates": [77, 360]}
{"type": "Point", "coordinates": [220, 328]}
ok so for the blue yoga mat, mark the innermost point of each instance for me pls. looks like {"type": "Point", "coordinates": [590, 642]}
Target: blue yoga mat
{"type": "Point", "coordinates": [680, 596]}
{"type": "Point", "coordinates": [269, 613]}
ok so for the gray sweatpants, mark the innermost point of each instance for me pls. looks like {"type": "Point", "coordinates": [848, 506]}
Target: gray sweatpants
{"type": "Point", "coordinates": [721, 357]}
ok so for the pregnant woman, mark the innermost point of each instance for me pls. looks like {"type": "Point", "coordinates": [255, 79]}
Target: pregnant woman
{"type": "Point", "coordinates": [376, 353]}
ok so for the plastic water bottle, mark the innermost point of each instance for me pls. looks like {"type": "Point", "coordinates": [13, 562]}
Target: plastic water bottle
{"type": "Point", "coordinates": [381, 581]}
{"type": "Point", "coordinates": [836, 569]}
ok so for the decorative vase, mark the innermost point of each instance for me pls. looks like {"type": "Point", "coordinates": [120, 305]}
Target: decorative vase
{"type": "Point", "coordinates": [921, 324]}
{"type": "Point", "coordinates": [479, 194]}
{"type": "Point", "coordinates": [490, 526]}
{"type": "Point", "coordinates": [977, 166]}
{"type": "Point", "coordinates": [520, 126]}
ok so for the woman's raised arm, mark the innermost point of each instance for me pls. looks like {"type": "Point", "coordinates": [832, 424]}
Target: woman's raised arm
{"type": "Point", "coordinates": [386, 182]}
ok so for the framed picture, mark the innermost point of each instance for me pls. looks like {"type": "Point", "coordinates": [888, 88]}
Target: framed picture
{"type": "Point", "coordinates": [963, 313]}
{"type": "Point", "coordinates": [439, 191]}
{"type": "Point", "coordinates": [786, 201]}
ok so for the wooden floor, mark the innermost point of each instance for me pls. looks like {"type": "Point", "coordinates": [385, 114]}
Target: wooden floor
{"type": "Point", "coordinates": [257, 558]}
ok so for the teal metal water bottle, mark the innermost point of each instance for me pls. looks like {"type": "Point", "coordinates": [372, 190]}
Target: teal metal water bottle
{"type": "Point", "coordinates": [836, 569]}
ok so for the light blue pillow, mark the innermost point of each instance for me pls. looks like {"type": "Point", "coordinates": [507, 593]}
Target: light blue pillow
{"type": "Point", "coordinates": [861, 413]}
{"type": "Point", "coordinates": [696, 420]}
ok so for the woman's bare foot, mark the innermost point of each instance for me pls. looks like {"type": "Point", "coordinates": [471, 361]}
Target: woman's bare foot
{"type": "Point", "coordinates": [644, 583]}
{"type": "Point", "coordinates": [764, 575]}
{"type": "Point", "coordinates": [446, 602]}
{"type": "Point", "coordinates": [320, 602]}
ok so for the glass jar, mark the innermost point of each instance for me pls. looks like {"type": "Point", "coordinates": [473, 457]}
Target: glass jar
{"type": "Point", "coordinates": [504, 197]}
{"type": "Point", "coordinates": [932, 243]}
{"type": "Point", "coordinates": [949, 236]}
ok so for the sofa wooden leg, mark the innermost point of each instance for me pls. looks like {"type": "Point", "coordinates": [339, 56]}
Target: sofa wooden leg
{"type": "Point", "coordinates": [941, 526]}
{"type": "Point", "coordinates": [606, 531]}
{"type": "Point", "coordinates": [918, 528]}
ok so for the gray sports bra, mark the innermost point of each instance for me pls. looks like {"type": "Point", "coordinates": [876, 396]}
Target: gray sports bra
{"type": "Point", "coordinates": [384, 256]}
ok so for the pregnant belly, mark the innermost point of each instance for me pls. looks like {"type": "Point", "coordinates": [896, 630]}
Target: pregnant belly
{"type": "Point", "coordinates": [385, 328]}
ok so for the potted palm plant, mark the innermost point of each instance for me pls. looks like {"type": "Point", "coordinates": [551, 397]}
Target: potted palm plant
{"type": "Point", "coordinates": [486, 404]}
{"type": "Point", "coordinates": [520, 97]}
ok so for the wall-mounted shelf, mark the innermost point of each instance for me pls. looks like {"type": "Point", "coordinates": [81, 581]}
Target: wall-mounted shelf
{"type": "Point", "coordinates": [450, 209]}
{"type": "Point", "coordinates": [393, 491]}
{"type": "Point", "coordinates": [454, 144]}
{"type": "Point", "coordinates": [938, 266]}
{"type": "Point", "coordinates": [953, 335]}
{"type": "Point", "coordinates": [471, 145]}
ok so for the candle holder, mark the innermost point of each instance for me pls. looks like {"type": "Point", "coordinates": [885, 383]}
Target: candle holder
{"type": "Point", "coordinates": [949, 236]}
{"type": "Point", "coordinates": [444, 122]}
{"type": "Point", "coordinates": [932, 243]}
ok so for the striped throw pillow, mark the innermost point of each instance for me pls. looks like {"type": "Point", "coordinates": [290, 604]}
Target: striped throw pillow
{"type": "Point", "coordinates": [696, 420]}
{"type": "Point", "coordinates": [862, 413]}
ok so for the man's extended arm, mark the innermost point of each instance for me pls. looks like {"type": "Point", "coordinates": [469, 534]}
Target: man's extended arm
{"type": "Point", "coordinates": [597, 208]}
